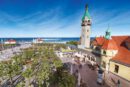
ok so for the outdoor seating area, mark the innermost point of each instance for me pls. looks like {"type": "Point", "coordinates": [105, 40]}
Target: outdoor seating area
{"type": "Point", "coordinates": [82, 64]}
{"type": "Point", "coordinates": [84, 57]}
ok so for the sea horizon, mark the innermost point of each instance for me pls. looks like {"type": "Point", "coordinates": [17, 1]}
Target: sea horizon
{"type": "Point", "coordinates": [46, 39]}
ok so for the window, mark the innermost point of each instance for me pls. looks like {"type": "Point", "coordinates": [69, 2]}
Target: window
{"type": "Point", "coordinates": [104, 52]}
{"type": "Point", "coordinates": [116, 68]}
{"type": "Point", "coordinates": [88, 20]}
{"type": "Point", "coordinates": [104, 64]}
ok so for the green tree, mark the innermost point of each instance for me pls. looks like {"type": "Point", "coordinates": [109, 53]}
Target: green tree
{"type": "Point", "coordinates": [43, 75]}
{"type": "Point", "coordinates": [62, 78]}
{"type": "Point", "coordinates": [27, 75]}
{"type": "Point", "coordinates": [11, 69]}
{"type": "Point", "coordinates": [72, 43]}
{"type": "Point", "coordinates": [1, 72]}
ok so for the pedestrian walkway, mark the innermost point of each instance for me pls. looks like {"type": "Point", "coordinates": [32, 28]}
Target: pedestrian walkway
{"type": "Point", "coordinates": [8, 53]}
{"type": "Point", "coordinates": [88, 76]}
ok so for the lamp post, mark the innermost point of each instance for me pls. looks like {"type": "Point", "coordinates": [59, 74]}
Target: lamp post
{"type": "Point", "coordinates": [118, 83]}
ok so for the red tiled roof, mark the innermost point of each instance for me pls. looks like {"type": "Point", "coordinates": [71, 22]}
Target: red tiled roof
{"type": "Point", "coordinates": [123, 55]}
{"type": "Point", "coordinates": [128, 39]}
{"type": "Point", "coordinates": [119, 39]}
{"type": "Point", "coordinates": [99, 40]}
{"type": "Point", "coordinates": [39, 39]}
{"type": "Point", "coordinates": [109, 45]}
{"type": "Point", "coordinates": [11, 40]}
{"type": "Point", "coordinates": [117, 42]}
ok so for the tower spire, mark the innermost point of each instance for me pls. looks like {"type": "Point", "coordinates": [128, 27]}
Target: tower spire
{"type": "Point", "coordinates": [86, 29]}
{"type": "Point", "coordinates": [108, 33]}
{"type": "Point", "coordinates": [86, 7]}
{"type": "Point", "coordinates": [86, 14]}
{"type": "Point", "coordinates": [108, 27]}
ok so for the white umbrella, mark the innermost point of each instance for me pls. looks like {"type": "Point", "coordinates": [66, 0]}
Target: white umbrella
{"type": "Point", "coordinates": [79, 78]}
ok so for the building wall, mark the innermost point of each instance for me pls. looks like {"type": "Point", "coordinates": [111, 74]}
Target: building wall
{"type": "Point", "coordinates": [106, 60]}
{"type": "Point", "coordinates": [10, 42]}
{"type": "Point", "coordinates": [111, 53]}
{"type": "Point", "coordinates": [85, 41]}
{"type": "Point", "coordinates": [82, 36]}
{"type": "Point", "coordinates": [87, 36]}
{"type": "Point", "coordinates": [98, 60]}
{"type": "Point", "coordinates": [124, 71]}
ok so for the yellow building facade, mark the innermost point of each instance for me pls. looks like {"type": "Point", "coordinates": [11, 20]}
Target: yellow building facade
{"type": "Point", "coordinates": [123, 71]}
{"type": "Point", "coordinates": [114, 58]}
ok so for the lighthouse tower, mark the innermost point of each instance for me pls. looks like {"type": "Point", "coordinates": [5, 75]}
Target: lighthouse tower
{"type": "Point", "coordinates": [86, 29]}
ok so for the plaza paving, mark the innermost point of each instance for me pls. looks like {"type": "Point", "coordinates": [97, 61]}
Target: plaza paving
{"type": "Point", "coordinates": [88, 76]}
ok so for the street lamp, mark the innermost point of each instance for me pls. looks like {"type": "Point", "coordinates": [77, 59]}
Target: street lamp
{"type": "Point", "coordinates": [118, 83]}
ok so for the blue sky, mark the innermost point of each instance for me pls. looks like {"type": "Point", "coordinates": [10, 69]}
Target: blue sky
{"type": "Point", "coordinates": [62, 18]}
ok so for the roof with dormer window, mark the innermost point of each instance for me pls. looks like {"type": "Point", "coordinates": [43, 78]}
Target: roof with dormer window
{"type": "Point", "coordinates": [116, 43]}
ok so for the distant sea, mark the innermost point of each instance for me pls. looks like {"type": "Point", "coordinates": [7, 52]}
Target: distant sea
{"type": "Point", "coordinates": [46, 39]}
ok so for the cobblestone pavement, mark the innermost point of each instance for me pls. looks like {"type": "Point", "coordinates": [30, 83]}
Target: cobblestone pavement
{"type": "Point", "coordinates": [88, 76]}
